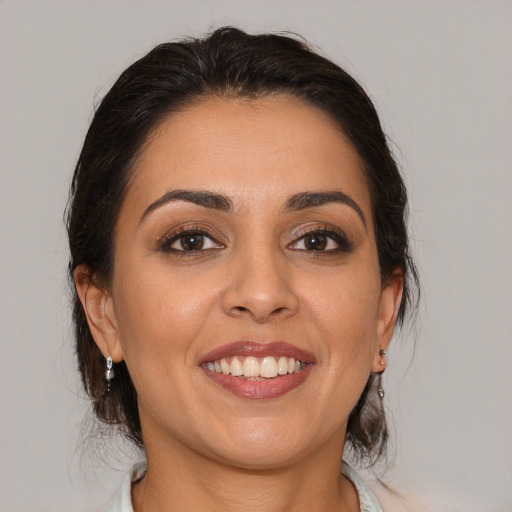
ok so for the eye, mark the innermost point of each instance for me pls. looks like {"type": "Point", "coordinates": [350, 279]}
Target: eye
{"type": "Point", "coordinates": [190, 241]}
{"type": "Point", "coordinates": [322, 240]}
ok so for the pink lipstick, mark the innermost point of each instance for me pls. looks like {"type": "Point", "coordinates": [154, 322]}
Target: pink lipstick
{"type": "Point", "coordinates": [258, 371]}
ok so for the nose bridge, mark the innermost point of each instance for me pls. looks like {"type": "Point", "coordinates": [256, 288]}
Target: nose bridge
{"type": "Point", "coordinates": [260, 284]}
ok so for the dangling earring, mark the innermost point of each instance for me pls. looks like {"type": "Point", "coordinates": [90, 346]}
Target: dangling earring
{"type": "Point", "coordinates": [109, 374]}
{"type": "Point", "coordinates": [380, 390]}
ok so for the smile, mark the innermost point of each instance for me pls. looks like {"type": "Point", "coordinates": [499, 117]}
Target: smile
{"type": "Point", "coordinates": [256, 370]}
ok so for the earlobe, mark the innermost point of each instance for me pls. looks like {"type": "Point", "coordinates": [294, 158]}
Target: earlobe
{"type": "Point", "coordinates": [391, 297]}
{"type": "Point", "coordinates": [99, 311]}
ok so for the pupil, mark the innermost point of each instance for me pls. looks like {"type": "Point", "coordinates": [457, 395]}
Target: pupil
{"type": "Point", "coordinates": [192, 242]}
{"type": "Point", "coordinates": [315, 242]}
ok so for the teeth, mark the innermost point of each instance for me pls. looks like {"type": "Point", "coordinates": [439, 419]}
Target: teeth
{"type": "Point", "coordinates": [268, 368]}
{"type": "Point", "coordinates": [251, 367]}
{"type": "Point", "coordinates": [225, 367]}
{"type": "Point", "coordinates": [236, 367]}
{"type": "Point", "coordinates": [282, 366]}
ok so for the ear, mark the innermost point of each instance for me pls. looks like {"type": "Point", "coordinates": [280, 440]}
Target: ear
{"type": "Point", "coordinates": [99, 310]}
{"type": "Point", "coordinates": [390, 299]}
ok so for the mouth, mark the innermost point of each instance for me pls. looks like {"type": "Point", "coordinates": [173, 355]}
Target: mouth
{"type": "Point", "coordinates": [256, 368]}
{"type": "Point", "coordinates": [258, 371]}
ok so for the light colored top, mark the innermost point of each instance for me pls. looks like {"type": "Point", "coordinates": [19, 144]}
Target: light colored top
{"type": "Point", "coordinates": [123, 502]}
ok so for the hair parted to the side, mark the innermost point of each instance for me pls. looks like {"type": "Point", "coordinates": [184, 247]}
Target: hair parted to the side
{"type": "Point", "coordinates": [227, 62]}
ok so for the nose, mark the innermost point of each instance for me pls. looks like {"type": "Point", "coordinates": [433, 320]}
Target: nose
{"type": "Point", "coordinates": [260, 288]}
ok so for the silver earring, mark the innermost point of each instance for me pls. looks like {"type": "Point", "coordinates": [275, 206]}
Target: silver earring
{"type": "Point", "coordinates": [380, 391]}
{"type": "Point", "coordinates": [109, 374]}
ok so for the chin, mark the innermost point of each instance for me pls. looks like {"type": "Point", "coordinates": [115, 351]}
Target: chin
{"type": "Point", "coordinates": [260, 444]}
{"type": "Point", "coordinates": [258, 458]}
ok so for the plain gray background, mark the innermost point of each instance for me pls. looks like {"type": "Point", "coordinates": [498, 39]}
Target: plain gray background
{"type": "Point", "coordinates": [440, 74]}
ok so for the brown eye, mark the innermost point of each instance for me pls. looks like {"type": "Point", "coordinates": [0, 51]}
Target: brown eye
{"type": "Point", "coordinates": [315, 242]}
{"type": "Point", "coordinates": [328, 241]}
{"type": "Point", "coordinates": [191, 242]}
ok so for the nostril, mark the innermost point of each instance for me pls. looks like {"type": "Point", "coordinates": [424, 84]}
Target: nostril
{"type": "Point", "coordinates": [260, 302]}
{"type": "Point", "coordinates": [272, 314]}
{"type": "Point", "coordinates": [278, 311]}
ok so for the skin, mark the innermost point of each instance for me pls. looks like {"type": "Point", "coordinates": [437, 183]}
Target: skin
{"type": "Point", "coordinates": [208, 449]}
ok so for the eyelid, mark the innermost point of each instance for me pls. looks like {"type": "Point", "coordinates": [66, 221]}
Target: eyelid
{"type": "Point", "coordinates": [333, 232]}
{"type": "Point", "coordinates": [165, 241]}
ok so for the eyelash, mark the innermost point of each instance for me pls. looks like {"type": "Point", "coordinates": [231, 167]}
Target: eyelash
{"type": "Point", "coordinates": [329, 232]}
{"type": "Point", "coordinates": [168, 240]}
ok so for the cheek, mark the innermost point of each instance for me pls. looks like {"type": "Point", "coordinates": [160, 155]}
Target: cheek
{"type": "Point", "coordinates": [161, 310]}
{"type": "Point", "coordinates": [346, 309]}
{"type": "Point", "coordinates": [349, 293]}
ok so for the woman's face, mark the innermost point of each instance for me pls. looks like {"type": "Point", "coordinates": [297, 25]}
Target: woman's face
{"type": "Point", "coordinates": [245, 245]}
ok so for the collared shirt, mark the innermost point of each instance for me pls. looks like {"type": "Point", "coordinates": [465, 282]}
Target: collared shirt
{"type": "Point", "coordinates": [123, 502]}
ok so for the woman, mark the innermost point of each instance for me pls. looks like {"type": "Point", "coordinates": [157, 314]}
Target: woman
{"type": "Point", "coordinates": [240, 259]}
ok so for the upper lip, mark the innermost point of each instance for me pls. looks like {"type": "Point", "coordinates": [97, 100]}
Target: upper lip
{"type": "Point", "coordinates": [258, 349]}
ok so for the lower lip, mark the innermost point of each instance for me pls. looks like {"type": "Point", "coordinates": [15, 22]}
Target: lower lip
{"type": "Point", "coordinates": [260, 389]}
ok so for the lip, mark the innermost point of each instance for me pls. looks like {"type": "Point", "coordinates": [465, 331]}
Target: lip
{"type": "Point", "coordinates": [259, 389]}
{"type": "Point", "coordinates": [257, 349]}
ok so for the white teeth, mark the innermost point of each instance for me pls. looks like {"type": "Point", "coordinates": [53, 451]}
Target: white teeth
{"type": "Point", "coordinates": [268, 368]}
{"type": "Point", "coordinates": [251, 367]}
{"type": "Point", "coordinates": [282, 366]}
{"type": "Point", "coordinates": [236, 367]}
{"type": "Point", "coordinates": [225, 367]}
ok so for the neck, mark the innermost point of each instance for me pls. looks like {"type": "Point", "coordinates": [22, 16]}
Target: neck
{"type": "Point", "coordinates": [179, 479]}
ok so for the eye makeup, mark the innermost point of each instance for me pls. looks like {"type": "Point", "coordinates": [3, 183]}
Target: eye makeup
{"type": "Point", "coordinates": [323, 238]}
{"type": "Point", "coordinates": [189, 240]}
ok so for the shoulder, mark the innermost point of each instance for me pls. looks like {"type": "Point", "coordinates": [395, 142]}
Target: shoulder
{"type": "Point", "coordinates": [367, 500]}
{"type": "Point", "coordinates": [123, 500]}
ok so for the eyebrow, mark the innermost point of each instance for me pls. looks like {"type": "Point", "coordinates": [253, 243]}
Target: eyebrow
{"type": "Point", "coordinates": [216, 201]}
{"type": "Point", "coordinates": [199, 197]}
{"type": "Point", "coordinates": [305, 200]}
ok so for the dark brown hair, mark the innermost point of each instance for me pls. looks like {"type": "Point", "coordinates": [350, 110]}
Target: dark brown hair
{"type": "Point", "coordinates": [228, 62]}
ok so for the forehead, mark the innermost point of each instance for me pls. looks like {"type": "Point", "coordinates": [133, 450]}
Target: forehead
{"type": "Point", "coordinates": [249, 149]}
